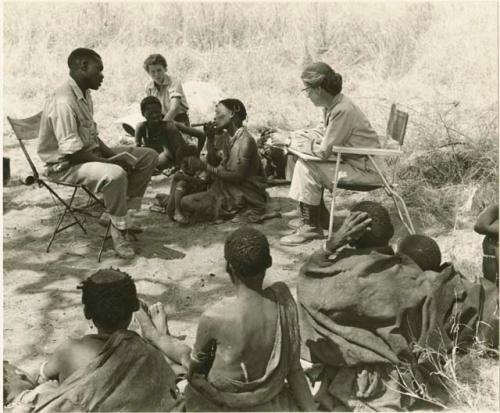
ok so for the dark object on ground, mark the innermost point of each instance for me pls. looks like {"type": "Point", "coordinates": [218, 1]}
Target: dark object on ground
{"type": "Point", "coordinates": [6, 170]}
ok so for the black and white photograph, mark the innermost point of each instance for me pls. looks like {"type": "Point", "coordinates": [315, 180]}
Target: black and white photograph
{"type": "Point", "coordinates": [250, 206]}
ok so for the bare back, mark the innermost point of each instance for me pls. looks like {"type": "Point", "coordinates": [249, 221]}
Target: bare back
{"type": "Point", "coordinates": [244, 332]}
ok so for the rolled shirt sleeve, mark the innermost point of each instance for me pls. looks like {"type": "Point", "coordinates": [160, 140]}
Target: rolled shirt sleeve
{"type": "Point", "coordinates": [66, 129]}
{"type": "Point", "coordinates": [175, 91]}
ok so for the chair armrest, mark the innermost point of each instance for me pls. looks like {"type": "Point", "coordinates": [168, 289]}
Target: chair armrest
{"type": "Point", "coordinates": [367, 151]}
{"type": "Point", "coordinates": [343, 149]}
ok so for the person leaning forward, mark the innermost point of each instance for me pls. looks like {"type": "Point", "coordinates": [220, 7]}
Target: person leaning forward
{"type": "Point", "coordinates": [70, 146]}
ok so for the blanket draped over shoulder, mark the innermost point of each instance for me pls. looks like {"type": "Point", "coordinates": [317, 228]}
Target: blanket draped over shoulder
{"type": "Point", "coordinates": [364, 312]}
{"type": "Point", "coordinates": [268, 393]}
{"type": "Point", "coordinates": [128, 375]}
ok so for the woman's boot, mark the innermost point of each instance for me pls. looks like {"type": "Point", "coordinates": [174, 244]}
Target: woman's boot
{"type": "Point", "coordinates": [310, 228]}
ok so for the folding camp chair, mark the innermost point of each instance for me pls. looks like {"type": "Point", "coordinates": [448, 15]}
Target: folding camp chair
{"type": "Point", "coordinates": [27, 129]}
{"type": "Point", "coordinates": [396, 129]}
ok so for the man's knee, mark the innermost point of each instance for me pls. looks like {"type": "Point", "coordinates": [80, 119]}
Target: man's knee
{"type": "Point", "coordinates": [150, 156]}
{"type": "Point", "coordinates": [115, 175]}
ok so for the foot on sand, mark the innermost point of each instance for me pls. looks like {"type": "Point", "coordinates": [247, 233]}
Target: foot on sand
{"type": "Point", "coordinates": [148, 329]}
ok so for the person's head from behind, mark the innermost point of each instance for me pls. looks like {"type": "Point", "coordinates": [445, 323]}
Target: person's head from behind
{"type": "Point", "coordinates": [85, 66]}
{"type": "Point", "coordinates": [109, 298]}
{"type": "Point", "coordinates": [381, 229]}
{"type": "Point", "coordinates": [247, 255]}
{"type": "Point", "coordinates": [183, 155]}
{"type": "Point", "coordinates": [423, 250]}
{"type": "Point", "coordinates": [229, 111]}
{"type": "Point", "coordinates": [151, 109]}
{"type": "Point", "coordinates": [321, 83]}
{"type": "Point", "coordinates": [156, 67]}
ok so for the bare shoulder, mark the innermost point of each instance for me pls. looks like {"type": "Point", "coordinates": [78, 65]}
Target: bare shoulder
{"type": "Point", "coordinates": [220, 311]}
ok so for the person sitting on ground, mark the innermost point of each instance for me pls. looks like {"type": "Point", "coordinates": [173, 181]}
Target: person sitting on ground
{"type": "Point", "coordinates": [246, 352]}
{"type": "Point", "coordinates": [369, 318]}
{"type": "Point", "coordinates": [487, 224]}
{"type": "Point", "coordinates": [345, 125]}
{"type": "Point", "coordinates": [112, 370]}
{"type": "Point", "coordinates": [234, 166]}
{"type": "Point", "coordinates": [167, 89]}
{"type": "Point", "coordinates": [185, 182]}
{"type": "Point", "coordinates": [158, 134]}
{"type": "Point", "coordinates": [69, 145]}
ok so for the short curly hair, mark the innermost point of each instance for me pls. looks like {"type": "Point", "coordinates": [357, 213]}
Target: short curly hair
{"type": "Point", "coordinates": [149, 100]}
{"type": "Point", "coordinates": [381, 229]}
{"type": "Point", "coordinates": [423, 250]}
{"type": "Point", "coordinates": [154, 59]}
{"type": "Point", "coordinates": [248, 252]}
{"type": "Point", "coordinates": [109, 297]}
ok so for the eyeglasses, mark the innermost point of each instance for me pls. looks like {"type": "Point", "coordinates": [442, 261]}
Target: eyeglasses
{"type": "Point", "coordinates": [306, 89]}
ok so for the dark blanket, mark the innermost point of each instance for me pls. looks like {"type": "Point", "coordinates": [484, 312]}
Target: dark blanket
{"type": "Point", "coordinates": [268, 393]}
{"type": "Point", "coordinates": [367, 308]}
{"type": "Point", "coordinates": [128, 375]}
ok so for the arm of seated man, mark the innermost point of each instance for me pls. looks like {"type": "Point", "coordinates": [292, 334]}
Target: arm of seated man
{"type": "Point", "coordinates": [201, 355]}
{"type": "Point", "coordinates": [140, 134]}
{"type": "Point", "coordinates": [175, 109]}
{"type": "Point", "coordinates": [487, 222]}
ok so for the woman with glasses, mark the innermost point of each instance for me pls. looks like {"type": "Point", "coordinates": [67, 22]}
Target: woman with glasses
{"type": "Point", "coordinates": [344, 125]}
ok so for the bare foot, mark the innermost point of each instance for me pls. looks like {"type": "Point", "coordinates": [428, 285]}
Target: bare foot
{"type": "Point", "coordinates": [159, 318]}
{"type": "Point", "coordinates": [148, 329]}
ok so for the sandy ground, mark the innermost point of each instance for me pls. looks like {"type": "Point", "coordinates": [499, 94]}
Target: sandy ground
{"type": "Point", "coordinates": [42, 305]}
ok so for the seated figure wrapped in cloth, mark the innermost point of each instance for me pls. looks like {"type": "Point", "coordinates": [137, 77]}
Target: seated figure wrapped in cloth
{"type": "Point", "coordinates": [113, 370]}
{"type": "Point", "coordinates": [370, 318]}
{"type": "Point", "coordinates": [246, 353]}
{"type": "Point", "coordinates": [238, 182]}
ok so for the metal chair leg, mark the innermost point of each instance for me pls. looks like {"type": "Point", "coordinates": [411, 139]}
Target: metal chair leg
{"type": "Point", "coordinates": [108, 227]}
{"type": "Point", "coordinates": [406, 220]}
{"type": "Point", "coordinates": [334, 190]}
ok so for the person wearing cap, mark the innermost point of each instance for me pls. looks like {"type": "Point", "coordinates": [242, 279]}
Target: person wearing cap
{"type": "Point", "coordinates": [344, 125]}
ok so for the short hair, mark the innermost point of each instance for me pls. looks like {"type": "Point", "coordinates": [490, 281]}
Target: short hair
{"type": "Point", "coordinates": [423, 250]}
{"type": "Point", "coordinates": [77, 55]}
{"type": "Point", "coordinates": [322, 75]}
{"type": "Point", "coordinates": [247, 250]}
{"type": "Point", "coordinates": [236, 106]}
{"type": "Point", "coordinates": [149, 100]}
{"type": "Point", "coordinates": [109, 297]}
{"type": "Point", "coordinates": [185, 151]}
{"type": "Point", "coordinates": [381, 229]}
{"type": "Point", "coordinates": [154, 59]}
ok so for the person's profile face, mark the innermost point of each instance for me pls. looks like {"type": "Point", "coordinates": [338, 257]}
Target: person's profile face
{"type": "Point", "coordinates": [152, 112]}
{"type": "Point", "coordinates": [157, 73]}
{"type": "Point", "coordinates": [313, 94]}
{"type": "Point", "coordinates": [93, 73]}
{"type": "Point", "coordinates": [223, 116]}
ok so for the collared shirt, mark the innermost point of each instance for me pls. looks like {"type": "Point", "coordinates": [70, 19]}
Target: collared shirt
{"type": "Point", "coordinates": [67, 125]}
{"type": "Point", "coordinates": [344, 125]}
{"type": "Point", "coordinates": [170, 89]}
{"type": "Point", "coordinates": [347, 126]}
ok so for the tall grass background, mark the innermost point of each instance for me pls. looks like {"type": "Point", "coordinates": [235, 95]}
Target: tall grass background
{"type": "Point", "coordinates": [438, 61]}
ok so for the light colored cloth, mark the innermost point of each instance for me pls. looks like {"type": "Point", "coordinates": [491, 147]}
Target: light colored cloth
{"type": "Point", "coordinates": [309, 178]}
{"type": "Point", "coordinates": [268, 393]}
{"type": "Point", "coordinates": [67, 124]}
{"type": "Point", "coordinates": [128, 375]}
{"type": "Point", "coordinates": [171, 88]}
{"type": "Point", "coordinates": [121, 191]}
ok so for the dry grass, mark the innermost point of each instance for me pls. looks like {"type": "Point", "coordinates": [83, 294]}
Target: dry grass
{"type": "Point", "coordinates": [438, 60]}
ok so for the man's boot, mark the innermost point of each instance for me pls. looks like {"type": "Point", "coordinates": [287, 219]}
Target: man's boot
{"type": "Point", "coordinates": [121, 243]}
{"type": "Point", "coordinates": [298, 222]}
{"type": "Point", "coordinates": [310, 229]}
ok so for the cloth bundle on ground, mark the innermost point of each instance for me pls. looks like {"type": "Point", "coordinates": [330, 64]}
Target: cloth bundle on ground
{"type": "Point", "coordinates": [367, 315]}
{"type": "Point", "coordinates": [128, 375]}
{"type": "Point", "coordinates": [268, 393]}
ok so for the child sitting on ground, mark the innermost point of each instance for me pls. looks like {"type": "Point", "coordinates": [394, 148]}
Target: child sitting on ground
{"type": "Point", "coordinates": [185, 182]}
{"type": "Point", "coordinates": [158, 134]}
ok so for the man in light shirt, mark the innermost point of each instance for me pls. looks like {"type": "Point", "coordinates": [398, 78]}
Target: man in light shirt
{"type": "Point", "coordinates": [70, 146]}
